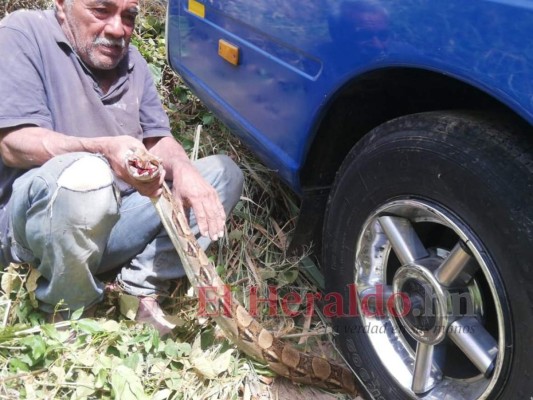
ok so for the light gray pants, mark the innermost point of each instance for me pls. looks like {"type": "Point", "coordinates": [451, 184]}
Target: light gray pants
{"type": "Point", "coordinates": [68, 221]}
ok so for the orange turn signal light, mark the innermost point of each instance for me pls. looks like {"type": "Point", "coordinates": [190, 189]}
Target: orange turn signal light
{"type": "Point", "coordinates": [228, 52]}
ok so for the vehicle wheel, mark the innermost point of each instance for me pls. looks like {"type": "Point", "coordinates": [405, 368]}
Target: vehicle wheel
{"type": "Point", "coordinates": [428, 237]}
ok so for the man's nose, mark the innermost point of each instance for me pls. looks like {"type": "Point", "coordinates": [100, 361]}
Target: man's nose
{"type": "Point", "coordinates": [114, 26]}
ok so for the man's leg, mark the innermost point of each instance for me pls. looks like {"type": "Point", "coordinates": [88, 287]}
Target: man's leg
{"type": "Point", "coordinates": [61, 217]}
{"type": "Point", "coordinates": [152, 267]}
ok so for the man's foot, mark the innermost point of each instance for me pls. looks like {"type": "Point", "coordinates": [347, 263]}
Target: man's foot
{"type": "Point", "coordinates": [151, 313]}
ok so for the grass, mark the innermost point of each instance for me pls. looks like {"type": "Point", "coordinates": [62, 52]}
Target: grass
{"type": "Point", "coordinates": [111, 357]}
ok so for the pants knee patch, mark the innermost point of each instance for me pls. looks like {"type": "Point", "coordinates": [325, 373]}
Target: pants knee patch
{"type": "Point", "coordinates": [87, 173]}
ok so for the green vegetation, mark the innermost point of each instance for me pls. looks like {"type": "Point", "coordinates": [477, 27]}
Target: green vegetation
{"type": "Point", "coordinates": [110, 356]}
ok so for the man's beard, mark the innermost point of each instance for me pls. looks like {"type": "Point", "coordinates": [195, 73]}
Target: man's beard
{"type": "Point", "coordinates": [87, 51]}
{"type": "Point", "coordinates": [102, 41]}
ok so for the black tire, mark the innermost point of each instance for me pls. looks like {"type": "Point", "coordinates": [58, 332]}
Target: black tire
{"type": "Point", "coordinates": [476, 171]}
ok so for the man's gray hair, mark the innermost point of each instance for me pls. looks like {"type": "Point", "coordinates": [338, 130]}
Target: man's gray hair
{"type": "Point", "coordinates": [68, 4]}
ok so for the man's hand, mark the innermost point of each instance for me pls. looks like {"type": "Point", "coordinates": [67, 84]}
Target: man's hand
{"type": "Point", "coordinates": [189, 186]}
{"type": "Point", "coordinates": [199, 195]}
{"type": "Point", "coordinates": [117, 150]}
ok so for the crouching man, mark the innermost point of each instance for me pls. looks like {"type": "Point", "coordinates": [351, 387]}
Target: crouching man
{"type": "Point", "coordinates": [75, 99]}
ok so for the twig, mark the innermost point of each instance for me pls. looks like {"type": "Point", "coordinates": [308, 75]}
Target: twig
{"type": "Point", "coordinates": [305, 328]}
{"type": "Point", "coordinates": [22, 375]}
{"type": "Point", "coordinates": [37, 329]}
{"type": "Point", "coordinates": [7, 304]}
{"type": "Point", "coordinates": [307, 334]}
{"type": "Point", "coordinates": [196, 147]}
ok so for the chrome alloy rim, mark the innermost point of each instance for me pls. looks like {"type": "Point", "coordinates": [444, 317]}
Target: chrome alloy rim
{"type": "Point", "coordinates": [428, 302]}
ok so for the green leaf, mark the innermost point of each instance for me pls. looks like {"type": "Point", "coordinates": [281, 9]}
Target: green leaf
{"type": "Point", "coordinates": [207, 119]}
{"type": "Point", "coordinates": [58, 372]}
{"type": "Point", "coordinates": [102, 369]}
{"type": "Point", "coordinates": [101, 378]}
{"type": "Point", "coordinates": [111, 326]}
{"type": "Point", "coordinates": [31, 280]}
{"type": "Point", "coordinates": [312, 272]}
{"type": "Point", "coordinates": [126, 385]}
{"type": "Point", "coordinates": [267, 273]}
{"type": "Point", "coordinates": [89, 326]}
{"type": "Point", "coordinates": [10, 280]}
{"type": "Point", "coordinates": [88, 357]}
{"type": "Point", "coordinates": [176, 350]}
{"type": "Point", "coordinates": [157, 73]}
{"type": "Point", "coordinates": [133, 361]}
{"type": "Point", "coordinates": [153, 342]}
{"type": "Point", "coordinates": [77, 314]}
{"type": "Point", "coordinates": [174, 380]}
{"type": "Point", "coordinates": [129, 306]}
{"type": "Point", "coordinates": [235, 235]}
{"type": "Point", "coordinates": [27, 359]}
{"type": "Point", "coordinates": [223, 362]}
{"type": "Point", "coordinates": [211, 368]}
{"type": "Point", "coordinates": [187, 144]}
{"type": "Point", "coordinates": [288, 276]}
{"type": "Point", "coordinates": [31, 286]}
{"type": "Point", "coordinates": [85, 385]}
{"type": "Point", "coordinates": [17, 365]}
{"type": "Point", "coordinates": [52, 332]}
{"type": "Point", "coordinates": [37, 348]}
{"type": "Point", "coordinates": [221, 270]}
{"type": "Point", "coordinates": [207, 338]}
{"type": "Point", "coordinates": [205, 364]}
{"type": "Point", "coordinates": [182, 94]}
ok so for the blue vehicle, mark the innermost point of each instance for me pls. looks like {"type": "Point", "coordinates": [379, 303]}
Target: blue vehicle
{"type": "Point", "coordinates": [405, 126]}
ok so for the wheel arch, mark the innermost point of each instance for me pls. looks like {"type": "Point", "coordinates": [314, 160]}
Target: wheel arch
{"type": "Point", "coordinates": [357, 107]}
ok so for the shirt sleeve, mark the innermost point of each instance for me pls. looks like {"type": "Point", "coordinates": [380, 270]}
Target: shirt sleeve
{"type": "Point", "coordinates": [154, 119]}
{"type": "Point", "coordinates": [22, 91]}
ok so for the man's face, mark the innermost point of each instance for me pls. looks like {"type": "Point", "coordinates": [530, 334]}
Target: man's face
{"type": "Point", "coordinates": [98, 30]}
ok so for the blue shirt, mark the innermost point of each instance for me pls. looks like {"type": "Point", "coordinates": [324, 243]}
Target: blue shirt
{"type": "Point", "coordinates": [44, 83]}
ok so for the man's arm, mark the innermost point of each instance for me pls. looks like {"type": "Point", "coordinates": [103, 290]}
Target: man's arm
{"type": "Point", "coordinates": [190, 185]}
{"type": "Point", "coordinates": [30, 146]}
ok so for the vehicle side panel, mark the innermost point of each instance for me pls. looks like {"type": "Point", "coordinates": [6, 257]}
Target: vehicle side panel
{"type": "Point", "coordinates": [294, 56]}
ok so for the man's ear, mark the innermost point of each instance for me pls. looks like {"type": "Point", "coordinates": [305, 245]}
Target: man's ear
{"type": "Point", "coordinates": [60, 9]}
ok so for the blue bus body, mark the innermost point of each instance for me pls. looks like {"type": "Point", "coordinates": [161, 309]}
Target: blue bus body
{"type": "Point", "coordinates": [295, 57]}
